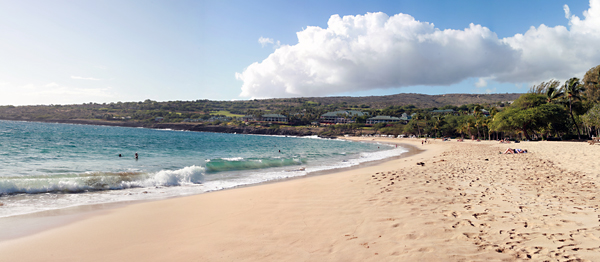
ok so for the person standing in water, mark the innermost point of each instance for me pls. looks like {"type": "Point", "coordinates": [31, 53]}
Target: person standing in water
{"type": "Point", "coordinates": [136, 156]}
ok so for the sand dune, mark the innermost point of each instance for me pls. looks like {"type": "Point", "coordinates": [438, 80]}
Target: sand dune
{"type": "Point", "coordinates": [466, 202]}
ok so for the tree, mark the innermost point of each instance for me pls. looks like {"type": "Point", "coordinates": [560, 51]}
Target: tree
{"type": "Point", "coordinates": [553, 93]}
{"type": "Point", "coordinates": [468, 125]}
{"type": "Point", "coordinates": [543, 87]}
{"type": "Point", "coordinates": [592, 119]}
{"type": "Point", "coordinates": [528, 114]}
{"type": "Point", "coordinates": [478, 113]}
{"type": "Point", "coordinates": [485, 123]}
{"type": "Point", "coordinates": [439, 122]}
{"type": "Point", "coordinates": [416, 120]}
{"type": "Point", "coordinates": [573, 90]}
{"type": "Point", "coordinates": [461, 129]}
{"type": "Point", "coordinates": [591, 83]}
{"type": "Point", "coordinates": [427, 117]}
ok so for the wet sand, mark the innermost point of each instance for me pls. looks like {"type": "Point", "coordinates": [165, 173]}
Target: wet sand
{"type": "Point", "coordinates": [466, 203]}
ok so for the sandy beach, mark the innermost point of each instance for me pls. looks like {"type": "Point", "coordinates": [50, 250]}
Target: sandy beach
{"type": "Point", "coordinates": [466, 202]}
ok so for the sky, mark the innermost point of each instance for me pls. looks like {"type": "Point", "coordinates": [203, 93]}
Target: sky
{"type": "Point", "coordinates": [73, 52]}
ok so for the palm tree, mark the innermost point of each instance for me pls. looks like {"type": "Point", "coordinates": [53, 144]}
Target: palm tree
{"type": "Point", "coordinates": [477, 113]}
{"type": "Point", "coordinates": [553, 93]}
{"type": "Point", "coordinates": [427, 118]}
{"type": "Point", "coordinates": [417, 118]}
{"type": "Point", "coordinates": [439, 121]}
{"type": "Point", "coordinates": [461, 129]}
{"type": "Point", "coordinates": [415, 124]}
{"type": "Point", "coordinates": [468, 126]}
{"type": "Point", "coordinates": [543, 87]}
{"type": "Point", "coordinates": [486, 124]}
{"type": "Point", "coordinates": [490, 122]}
{"type": "Point", "coordinates": [573, 90]}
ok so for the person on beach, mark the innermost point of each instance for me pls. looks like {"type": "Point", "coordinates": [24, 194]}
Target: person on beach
{"type": "Point", "coordinates": [136, 156]}
{"type": "Point", "coordinates": [515, 151]}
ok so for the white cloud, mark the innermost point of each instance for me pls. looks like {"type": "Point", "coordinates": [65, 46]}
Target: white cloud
{"type": "Point", "coordinates": [375, 50]}
{"type": "Point", "coordinates": [481, 83]}
{"type": "Point", "coordinates": [264, 41]}
{"type": "Point", "coordinates": [556, 52]}
{"type": "Point", "coordinates": [567, 11]}
{"type": "Point", "coordinates": [85, 78]}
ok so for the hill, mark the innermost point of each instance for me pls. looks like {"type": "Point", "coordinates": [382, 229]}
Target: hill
{"type": "Point", "coordinates": [418, 100]}
{"type": "Point", "coordinates": [177, 111]}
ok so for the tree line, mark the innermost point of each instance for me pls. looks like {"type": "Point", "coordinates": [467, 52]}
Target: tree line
{"type": "Point", "coordinates": [550, 110]}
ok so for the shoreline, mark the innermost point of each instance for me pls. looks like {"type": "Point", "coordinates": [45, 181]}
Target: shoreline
{"type": "Point", "coordinates": [467, 202]}
{"type": "Point", "coordinates": [23, 225]}
{"type": "Point", "coordinates": [95, 213]}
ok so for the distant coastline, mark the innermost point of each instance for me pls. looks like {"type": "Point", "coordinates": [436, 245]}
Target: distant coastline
{"type": "Point", "coordinates": [287, 131]}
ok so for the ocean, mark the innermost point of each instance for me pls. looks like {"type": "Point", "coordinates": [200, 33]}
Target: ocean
{"type": "Point", "coordinates": [45, 166]}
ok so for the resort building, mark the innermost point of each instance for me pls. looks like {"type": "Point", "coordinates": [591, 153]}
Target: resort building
{"type": "Point", "coordinates": [341, 117]}
{"type": "Point", "coordinates": [219, 118]}
{"type": "Point", "coordinates": [248, 118]}
{"type": "Point", "coordinates": [405, 117]}
{"type": "Point", "coordinates": [274, 118]}
{"type": "Point", "coordinates": [443, 111]}
{"type": "Point", "coordinates": [382, 119]}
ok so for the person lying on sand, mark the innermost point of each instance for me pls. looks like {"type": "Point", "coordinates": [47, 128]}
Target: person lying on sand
{"type": "Point", "coordinates": [515, 151]}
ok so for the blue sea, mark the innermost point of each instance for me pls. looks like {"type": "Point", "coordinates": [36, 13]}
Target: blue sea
{"type": "Point", "coordinates": [45, 166]}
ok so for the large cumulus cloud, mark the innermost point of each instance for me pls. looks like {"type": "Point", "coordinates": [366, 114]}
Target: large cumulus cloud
{"type": "Point", "coordinates": [379, 51]}
{"type": "Point", "coordinates": [556, 52]}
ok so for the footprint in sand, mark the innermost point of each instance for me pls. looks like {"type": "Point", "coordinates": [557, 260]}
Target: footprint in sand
{"type": "Point", "coordinates": [464, 222]}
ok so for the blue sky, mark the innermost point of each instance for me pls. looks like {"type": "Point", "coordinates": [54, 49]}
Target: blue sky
{"type": "Point", "coordinates": [66, 52]}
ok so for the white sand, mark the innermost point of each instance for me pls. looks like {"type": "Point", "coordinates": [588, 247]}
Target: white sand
{"type": "Point", "coordinates": [467, 203]}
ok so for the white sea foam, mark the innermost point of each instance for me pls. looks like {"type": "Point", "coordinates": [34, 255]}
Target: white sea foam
{"type": "Point", "coordinates": [186, 175]}
{"type": "Point", "coordinates": [312, 137]}
{"type": "Point", "coordinates": [100, 181]}
{"type": "Point", "coordinates": [233, 158]}
{"type": "Point", "coordinates": [165, 183]}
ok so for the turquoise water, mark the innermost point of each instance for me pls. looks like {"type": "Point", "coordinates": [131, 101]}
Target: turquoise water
{"type": "Point", "coordinates": [47, 166]}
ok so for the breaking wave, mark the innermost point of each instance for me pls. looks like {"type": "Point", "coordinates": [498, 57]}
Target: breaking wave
{"type": "Point", "coordinates": [99, 181]}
